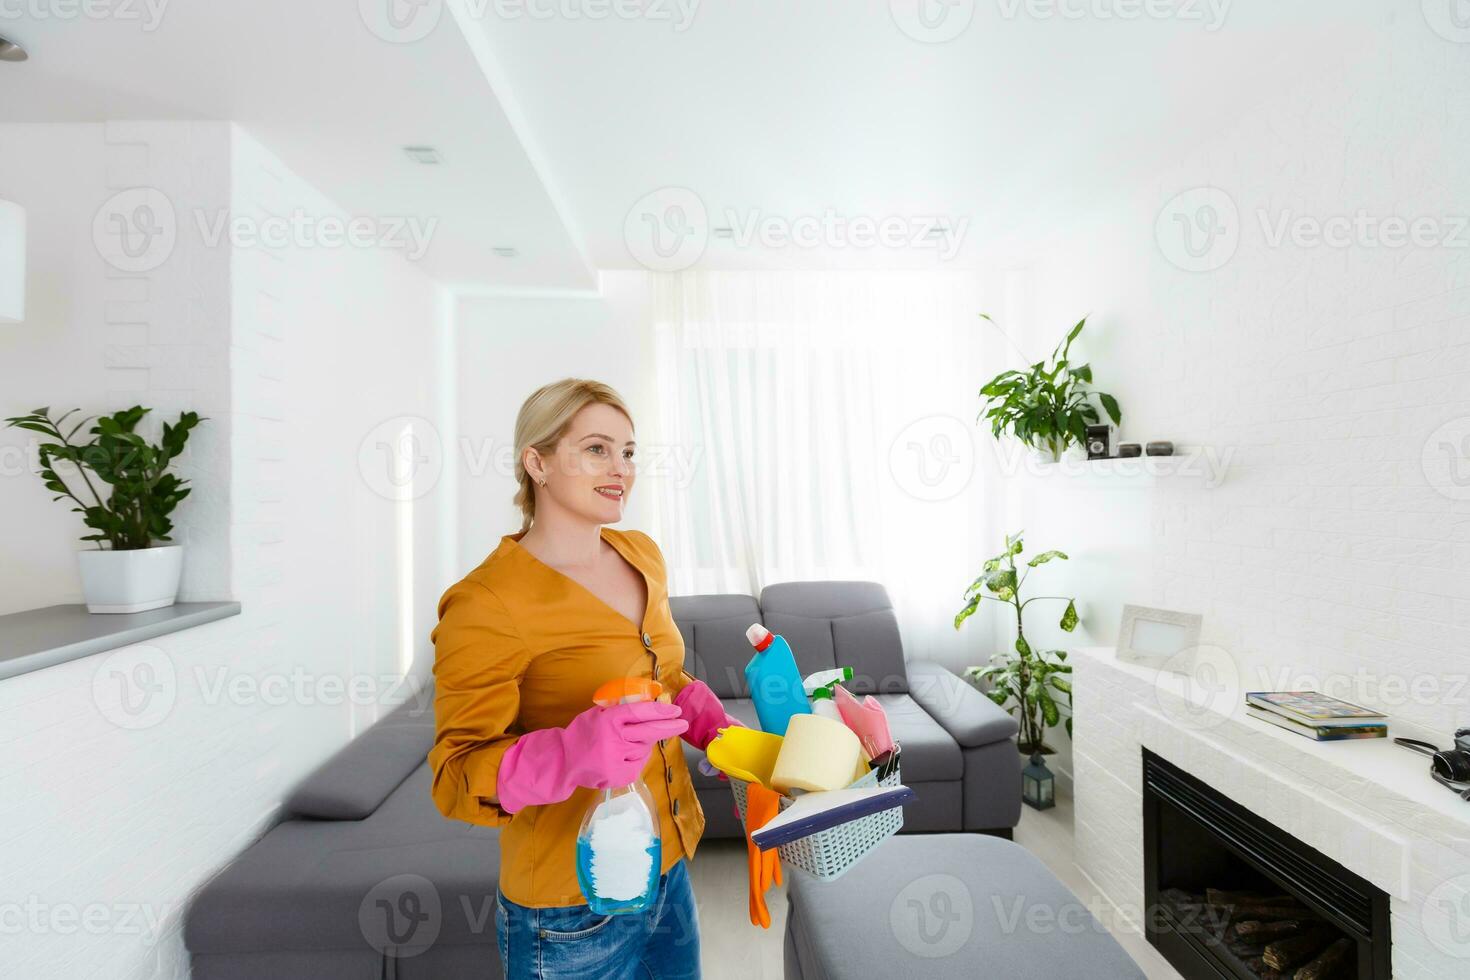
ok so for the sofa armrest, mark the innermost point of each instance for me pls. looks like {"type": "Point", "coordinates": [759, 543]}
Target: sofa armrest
{"type": "Point", "coordinates": [961, 709]}
{"type": "Point", "coordinates": [357, 778]}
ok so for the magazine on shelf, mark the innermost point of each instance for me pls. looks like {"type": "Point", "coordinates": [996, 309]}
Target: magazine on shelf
{"type": "Point", "coordinates": [1312, 708]}
{"type": "Point", "coordinates": [1334, 733]}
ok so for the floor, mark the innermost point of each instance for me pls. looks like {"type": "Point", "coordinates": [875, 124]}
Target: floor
{"type": "Point", "coordinates": [733, 948]}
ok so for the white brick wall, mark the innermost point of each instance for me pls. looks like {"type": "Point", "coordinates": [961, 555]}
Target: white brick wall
{"type": "Point", "coordinates": [113, 817]}
{"type": "Point", "coordinates": [1337, 551]}
{"type": "Point", "coordinates": [1361, 807]}
{"type": "Point", "coordinates": [1336, 381]}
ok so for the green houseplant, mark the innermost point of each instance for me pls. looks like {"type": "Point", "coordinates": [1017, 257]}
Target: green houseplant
{"type": "Point", "coordinates": [1035, 684]}
{"type": "Point", "coordinates": [1048, 406]}
{"type": "Point", "coordinates": [127, 507]}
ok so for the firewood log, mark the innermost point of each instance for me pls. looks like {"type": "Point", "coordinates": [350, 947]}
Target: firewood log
{"type": "Point", "coordinates": [1328, 962]}
{"type": "Point", "coordinates": [1286, 953]}
{"type": "Point", "coordinates": [1253, 930]}
{"type": "Point", "coordinates": [1259, 968]}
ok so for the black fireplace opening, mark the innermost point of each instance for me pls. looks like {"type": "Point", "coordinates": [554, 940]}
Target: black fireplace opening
{"type": "Point", "coordinates": [1231, 896]}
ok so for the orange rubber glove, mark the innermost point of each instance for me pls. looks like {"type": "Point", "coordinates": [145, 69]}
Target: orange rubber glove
{"type": "Point", "coordinates": [761, 805]}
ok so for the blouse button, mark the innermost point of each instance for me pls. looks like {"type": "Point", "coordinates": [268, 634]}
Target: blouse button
{"type": "Point", "coordinates": [648, 641]}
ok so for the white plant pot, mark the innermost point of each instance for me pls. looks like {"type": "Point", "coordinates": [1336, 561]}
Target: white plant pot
{"type": "Point", "coordinates": [130, 581]}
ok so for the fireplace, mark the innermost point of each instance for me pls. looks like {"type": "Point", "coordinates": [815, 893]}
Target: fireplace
{"type": "Point", "coordinates": [1231, 896]}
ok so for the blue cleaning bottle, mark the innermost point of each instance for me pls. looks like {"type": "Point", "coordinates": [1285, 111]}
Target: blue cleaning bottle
{"type": "Point", "coordinates": [773, 681]}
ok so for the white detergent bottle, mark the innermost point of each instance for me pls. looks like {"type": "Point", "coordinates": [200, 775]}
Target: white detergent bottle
{"type": "Point", "coordinates": [619, 850]}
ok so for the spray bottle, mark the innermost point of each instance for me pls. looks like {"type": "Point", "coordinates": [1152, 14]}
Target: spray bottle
{"type": "Point", "coordinates": [819, 687]}
{"type": "Point", "coordinates": [619, 850]}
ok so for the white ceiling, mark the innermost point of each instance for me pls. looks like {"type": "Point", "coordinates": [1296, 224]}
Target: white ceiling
{"type": "Point", "coordinates": [335, 101]}
{"type": "Point", "coordinates": [788, 109]}
{"type": "Point", "coordinates": [554, 127]}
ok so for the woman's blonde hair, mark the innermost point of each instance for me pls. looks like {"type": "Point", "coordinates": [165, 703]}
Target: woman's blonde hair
{"type": "Point", "coordinates": [542, 421]}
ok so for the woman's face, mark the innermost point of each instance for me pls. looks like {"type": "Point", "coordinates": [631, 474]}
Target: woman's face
{"type": "Point", "coordinates": [592, 470]}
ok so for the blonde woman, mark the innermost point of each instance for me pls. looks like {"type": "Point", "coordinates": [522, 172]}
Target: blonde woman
{"type": "Point", "coordinates": [522, 643]}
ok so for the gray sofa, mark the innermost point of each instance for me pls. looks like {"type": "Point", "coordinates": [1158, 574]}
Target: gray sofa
{"type": "Point", "coordinates": [959, 753]}
{"type": "Point", "coordinates": [364, 879]}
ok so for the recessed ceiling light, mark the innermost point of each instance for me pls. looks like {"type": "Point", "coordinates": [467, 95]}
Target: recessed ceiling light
{"type": "Point", "coordinates": [423, 154]}
{"type": "Point", "coordinates": [10, 51]}
{"type": "Point", "coordinates": [506, 251]}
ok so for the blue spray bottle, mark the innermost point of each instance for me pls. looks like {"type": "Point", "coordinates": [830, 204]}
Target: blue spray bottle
{"type": "Point", "coordinates": [773, 681]}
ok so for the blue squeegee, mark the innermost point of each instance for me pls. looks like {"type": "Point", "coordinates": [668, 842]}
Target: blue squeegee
{"type": "Point", "coordinates": [811, 813]}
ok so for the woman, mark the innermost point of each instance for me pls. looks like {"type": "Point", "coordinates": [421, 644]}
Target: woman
{"type": "Point", "coordinates": [522, 643]}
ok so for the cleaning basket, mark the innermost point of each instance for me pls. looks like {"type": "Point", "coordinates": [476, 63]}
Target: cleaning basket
{"type": "Point", "coordinates": [828, 853]}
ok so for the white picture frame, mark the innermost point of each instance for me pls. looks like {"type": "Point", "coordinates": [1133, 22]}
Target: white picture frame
{"type": "Point", "coordinates": [1161, 638]}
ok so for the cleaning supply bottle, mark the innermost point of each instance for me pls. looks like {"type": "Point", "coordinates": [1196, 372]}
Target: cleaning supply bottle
{"type": "Point", "coordinates": [773, 680]}
{"type": "Point", "coordinates": [822, 704]}
{"type": "Point", "coordinates": [619, 850]}
{"type": "Point", "coordinates": [819, 687]}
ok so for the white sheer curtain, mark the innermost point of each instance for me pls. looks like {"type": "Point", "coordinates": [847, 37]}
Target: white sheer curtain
{"type": "Point", "coordinates": [821, 425]}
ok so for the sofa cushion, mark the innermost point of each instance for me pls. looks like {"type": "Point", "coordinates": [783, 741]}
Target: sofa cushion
{"type": "Point", "coordinates": [946, 907]}
{"type": "Point", "coordinates": [831, 624]}
{"type": "Point", "coordinates": [929, 754]}
{"type": "Point", "coordinates": [715, 648]}
{"type": "Point", "coordinates": [354, 781]}
{"type": "Point", "coordinates": [316, 884]}
{"type": "Point", "coordinates": [959, 707]}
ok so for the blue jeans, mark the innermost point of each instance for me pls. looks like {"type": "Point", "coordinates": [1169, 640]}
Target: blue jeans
{"type": "Point", "coordinates": [573, 942]}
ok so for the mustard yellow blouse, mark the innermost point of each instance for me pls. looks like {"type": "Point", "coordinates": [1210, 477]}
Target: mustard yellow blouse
{"type": "Point", "coordinates": [519, 646]}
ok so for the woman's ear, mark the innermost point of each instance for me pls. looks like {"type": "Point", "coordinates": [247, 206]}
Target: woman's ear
{"type": "Point", "coordinates": [531, 461]}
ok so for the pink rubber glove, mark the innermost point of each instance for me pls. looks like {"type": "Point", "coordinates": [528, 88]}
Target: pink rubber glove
{"type": "Point", "coordinates": [699, 706]}
{"type": "Point", "coordinates": [602, 747]}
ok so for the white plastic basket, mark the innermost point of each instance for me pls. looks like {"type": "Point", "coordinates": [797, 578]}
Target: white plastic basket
{"type": "Point", "coordinates": [828, 853]}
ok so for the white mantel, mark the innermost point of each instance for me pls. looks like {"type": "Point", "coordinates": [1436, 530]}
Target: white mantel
{"type": "Point", "coordinates": [1369, 804]}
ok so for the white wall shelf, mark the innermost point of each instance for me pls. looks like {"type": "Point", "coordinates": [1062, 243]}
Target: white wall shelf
{"type": "Point", "coordinates": [1195, 468]}
{"type": "Point", "coordinates": [53, 635]}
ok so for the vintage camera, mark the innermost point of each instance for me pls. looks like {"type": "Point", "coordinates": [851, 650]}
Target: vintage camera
{"type": "Point", "coordinates": [1099, 441]}
{"type": "Point", "coordinates": [1449, 765]}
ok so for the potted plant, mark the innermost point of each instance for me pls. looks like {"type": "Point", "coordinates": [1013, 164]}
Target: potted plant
{"type": "Point", "coordinates": [127, 572]}
{"type": "Point", "coordinates": [1034, 683]}
{"type": "Point", "coordinates": [1048, 406]}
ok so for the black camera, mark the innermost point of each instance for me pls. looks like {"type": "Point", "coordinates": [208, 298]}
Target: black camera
{"type": "Point", "coordinates": [1449, 765]}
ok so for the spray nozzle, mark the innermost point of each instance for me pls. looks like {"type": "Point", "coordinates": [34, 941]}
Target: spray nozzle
{"type": "Point", "coordinates": [627, 690]}
{"type": "Point", "coordinates": [820, 684]}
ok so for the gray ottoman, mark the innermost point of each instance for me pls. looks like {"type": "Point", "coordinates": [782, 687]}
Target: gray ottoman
{"type": "Point", "coordinates": [942, 906]}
